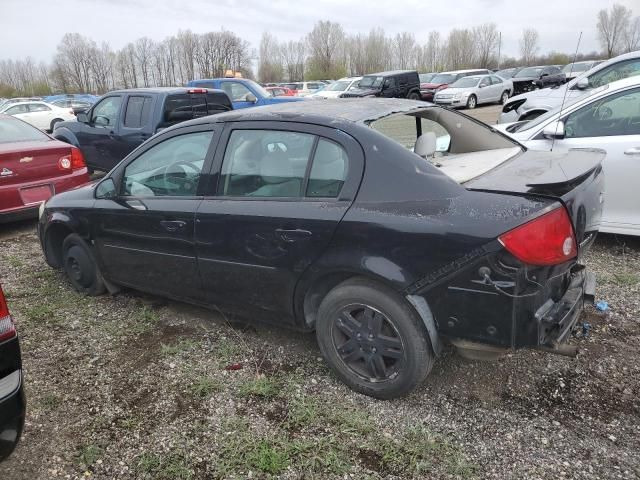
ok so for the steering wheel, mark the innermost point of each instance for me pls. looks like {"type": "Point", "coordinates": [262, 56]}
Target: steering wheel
{"type": "Point", "coordinates": [177, 178]}
{"type": "Point", "coordinates": [604, 113]}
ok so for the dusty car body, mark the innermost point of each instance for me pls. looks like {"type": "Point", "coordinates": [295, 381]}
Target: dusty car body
{"type": "Point", "coordinates": [345, 217]}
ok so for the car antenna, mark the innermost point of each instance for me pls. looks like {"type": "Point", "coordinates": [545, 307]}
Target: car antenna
{"type": "Point", "coordinates": [564, 97]}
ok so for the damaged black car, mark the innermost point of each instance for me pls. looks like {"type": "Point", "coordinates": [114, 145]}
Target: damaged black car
{"type": "Point", "coordinates": [392, 228]}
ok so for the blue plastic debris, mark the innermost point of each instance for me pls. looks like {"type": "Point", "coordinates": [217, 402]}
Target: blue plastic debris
{"type": "Point", "coordinates": [602, 306]}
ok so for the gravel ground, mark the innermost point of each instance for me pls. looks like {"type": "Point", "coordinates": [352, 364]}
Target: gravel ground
{"type": "Point", "coordinates": [137, 387]}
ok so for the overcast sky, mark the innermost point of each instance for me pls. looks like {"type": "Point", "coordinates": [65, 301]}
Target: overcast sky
{"type": "Point", "coordinates": [34, 27]}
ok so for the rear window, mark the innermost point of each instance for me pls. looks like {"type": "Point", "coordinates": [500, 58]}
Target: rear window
{"type": "Point", "coordinates": [184, 106]}
{"type": "Point", "coordinates": [12, 130]}
{"type": "Point", "coordinates": [138, 111]}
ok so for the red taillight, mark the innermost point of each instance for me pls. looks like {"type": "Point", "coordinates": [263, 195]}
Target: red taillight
{"type": "Point", "coordinates": [7, 329]}
{"type": "Point", "coordinates": [74, 161]}
{"type": "Point", "coordinates": [546, 240]}
{"type": "Point", "coordinates": [197, 90]}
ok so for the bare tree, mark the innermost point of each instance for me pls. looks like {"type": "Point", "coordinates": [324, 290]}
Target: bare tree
{"type": "Point", "coordinates": [326, 47]}
{"type": "Point", "coordinates": [73, 58]}
{"type": "Point", "coordinates": [461, 49]}
{"type": "Point", "coordinates": [270, 66]}
{"type": "Point", "coordinates": [529, 45]}
{"type": "Point", "coordinates": [187, 45]}
{"type": "Point", "coordinates": [404, 49]}
{"type": "Point", "coordinates": [293, 57]}
{"type": "Point", "coordinates": [612, 26]}
{"type": "Point", "coordinates": [486, 38]}
{"type": "Point", "coordinates": [631, 38]}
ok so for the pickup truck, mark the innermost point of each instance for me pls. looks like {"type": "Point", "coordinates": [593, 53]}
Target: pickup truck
{"type": "Point", "coordinates": [123, 119]}
{"type": "Point", "coordinates": [244, 93]}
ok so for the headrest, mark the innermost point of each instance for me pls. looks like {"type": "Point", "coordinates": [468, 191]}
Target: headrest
{"type": "Point", "coordinates": [426, 145]}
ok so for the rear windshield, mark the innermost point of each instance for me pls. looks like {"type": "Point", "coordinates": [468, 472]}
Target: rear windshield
{"type": "Point", "coordinates": [529, 72]}
{"type": "Point", "coordinates": [465, 82]}
{"type": "Point", "coordinates": [184, 106]}
{"type": "Point", "coordinates": [577, 67]}
{"type": "Point", "coordinates": [12, 130]}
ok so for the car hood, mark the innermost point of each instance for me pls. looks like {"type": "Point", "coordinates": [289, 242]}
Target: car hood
{"type": "Point", "coordinates": [434, 85]}
{"type": "Point", "coordinates": [451, 90]}
{"type": "Point", "coordinates": [548, 97]}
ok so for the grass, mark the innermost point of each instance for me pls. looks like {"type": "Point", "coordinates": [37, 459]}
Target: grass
{"type": "Point", "coordinates": [15, 261]}
{"type": "Point", "coordinates": [144, 320]}
{"type": "Point", "coordinates": [626, 279]}
{"type": "Point", "coordinates": [130, 423]}
{"type": "Point", "coordinates": [262, 387]}
{"type": "Point", "coordinates": [311, 412]}
{"type": "Point", "coordinates": [88, 454]}
{"type": "Point", "coordinates": [173, 466]}
{"type": "Point", "coordinates": [203, 387]}
{"type": "Point", "coordinates": [175, 349]}
{"type": "Point", "coordinates": [50, 401]}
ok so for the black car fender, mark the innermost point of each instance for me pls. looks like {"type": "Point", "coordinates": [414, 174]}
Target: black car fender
{"type": "Point", "coordinates": [52, 233]}
{"type": "Point", "coordinates": [66, 135]}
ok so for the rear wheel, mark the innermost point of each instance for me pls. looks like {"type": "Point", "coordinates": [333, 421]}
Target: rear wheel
{"type": "Point", "coordinates": [472, 102]}
{"type": "Point", "coordinates": [504, 97]}
{"type": "Point", "coordinates": [414, 96]}
{"type": "Point", "coordinates": [81, 267]}
{"type": "Point", "coordinates": [373, 339]}
{"type": "Point", "coordinates": [53, 123]}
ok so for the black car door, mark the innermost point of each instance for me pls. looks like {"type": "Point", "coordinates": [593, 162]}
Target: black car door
{"type": "Point", "coordinates": [281, 190]}
{"type": "Point", "coordinates": [98, 136]}
{"type": "Point", "coordinates": [389, 87]}
{"type": "Point", "coordinates": [136, 125]}
{"type": "Point", "coordinates": [144, 236]}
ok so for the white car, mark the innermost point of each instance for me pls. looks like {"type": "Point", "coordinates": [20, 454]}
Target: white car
{"type": "Point", "coordinates": [41, 115]}
{"type": "Point", "coordinates": [608, 119]}
{"type": "Point", "coordinates": [337, 88]}
{"type": "Point", "coordinates": [303, 89]}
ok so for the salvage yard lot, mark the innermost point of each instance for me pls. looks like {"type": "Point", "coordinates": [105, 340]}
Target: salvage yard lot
{"type": "Point", "coordinates": [134, 386]}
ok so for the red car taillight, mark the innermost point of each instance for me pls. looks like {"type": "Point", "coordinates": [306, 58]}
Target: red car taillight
{"type": "Point", "coordinates": [7, 329]}
{"type": "Point", "coordinates": [546, 240]}
{"type": "Point", "coordinates": [74, 161]}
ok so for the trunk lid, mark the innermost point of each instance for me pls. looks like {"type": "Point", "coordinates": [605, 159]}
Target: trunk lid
{"type": "Point", "coordinates": [27, 162]}
{"type": "Point", "coordinates": [574, 177]}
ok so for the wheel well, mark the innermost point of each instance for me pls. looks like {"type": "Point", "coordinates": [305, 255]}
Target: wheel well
{"type": "Point", "coordinates": [54, 237]}
{"type": "Point", "coordinates": [317, 291]}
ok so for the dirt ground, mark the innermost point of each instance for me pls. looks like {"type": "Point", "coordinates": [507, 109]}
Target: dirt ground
{"type": "Point", "coordinates": [137, 387]}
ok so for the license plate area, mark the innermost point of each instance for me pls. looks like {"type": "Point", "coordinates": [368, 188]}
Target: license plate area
{"type": "Point", "coordinates": [37, 194]}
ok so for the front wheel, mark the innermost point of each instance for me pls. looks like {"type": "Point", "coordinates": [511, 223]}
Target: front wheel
{"type": "Point", "coordinates": [81, 267]}
{"type": "Point", "coordinates": [504, 97]}
{"type": "Point", "coordinates": [414, 96]}
{"type": "Point", "coordinates": [472, 102]}
{"type": "Point", "coordinates": [372, 339]}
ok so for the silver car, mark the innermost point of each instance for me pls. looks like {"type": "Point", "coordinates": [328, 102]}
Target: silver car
{"type": "Point", "coordinates": [471, 91]}
{"type": "Point", "coordinates": [531, 104]}
{"type": "Point", "coordinates": [608, 119]}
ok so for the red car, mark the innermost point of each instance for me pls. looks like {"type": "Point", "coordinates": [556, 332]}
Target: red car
{"type": "Point", "coordinates": [281, 92]}
{"type": "Point", "coordinates": [34, 167]}
{"type": "Point", "coordinates": [441, 81]}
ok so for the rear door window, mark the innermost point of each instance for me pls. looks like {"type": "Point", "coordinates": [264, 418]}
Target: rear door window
{"type": "Point", "coordinates": [328, 170]}
{"type": "Point", "coordinates": [138, 111]}
{"type": "Point", "coordinates": [38, 107]}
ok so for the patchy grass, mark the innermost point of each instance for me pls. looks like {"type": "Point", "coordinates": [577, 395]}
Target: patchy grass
{"type": "Point", "coordinates": [88, 454]}
{"type": "Point", "coordinates": [144, 320]}
{"type": "Point", "coordinates": [263, 387]}
{"type": "Point", "coordinates": [177, 348]}
{"type": "Point", "coordinates": [203, 387]}
{"type": "Point", "coordinates": [625, 279]}
{"type": "Point", "coordinates": [173, 466]}
{"type": "Point", "coordinates": [311, 412]}
{"type": "Point", "coordinates": [50, 401]}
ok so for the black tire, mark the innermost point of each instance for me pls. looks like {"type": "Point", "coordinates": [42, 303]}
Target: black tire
{"type": "Point", "coordinates": [472, 102]}
{"type": "Point", "coordinates": [399, 341]}
{"type": "Point", "coordinates": [53, 123]}
{"type": "Point", "coordinates": [80, 266]}
{"type": "Point", "coordinates": [414, 96]}
{"type": "Point", "coordinates": [504, 97]}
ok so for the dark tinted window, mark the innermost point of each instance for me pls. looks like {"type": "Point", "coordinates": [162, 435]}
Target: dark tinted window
{"type": "Point", "coordinates": [138, 111]}
{"type": "Point", "coordinates": [184, 106]}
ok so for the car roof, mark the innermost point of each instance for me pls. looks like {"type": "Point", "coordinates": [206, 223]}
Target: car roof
{"type": "Point", "coordinates": [327, 112]}
{"type": "Point", "coordinates": [27, 102]}
{"type": "Point", "coordinates": [167, 90]}
{"type": "Point", "coordinates": [348, 79]}
{"type": "Point", "coordinates": [390, 73]}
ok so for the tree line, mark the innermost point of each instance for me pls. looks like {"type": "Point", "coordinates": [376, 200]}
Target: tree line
{"type": "Point", "coordinates": [326, 52]}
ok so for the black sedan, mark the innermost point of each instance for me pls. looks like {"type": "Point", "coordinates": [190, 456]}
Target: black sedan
{"type": "Point", "coordinates": [12, 398]}
{"type": "Point", "coordinates": [532, 78]}
{"type": "Point", "coordinates": [390, 227]}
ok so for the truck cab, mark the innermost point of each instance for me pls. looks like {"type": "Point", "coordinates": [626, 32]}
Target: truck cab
{"type": "Point", "coordinates": [244, 93]}
{"type": "Point", "coordinates": [121, 120]}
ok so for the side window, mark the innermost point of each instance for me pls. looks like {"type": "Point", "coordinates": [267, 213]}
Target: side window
{"type": "Point", "coordinates": [328, 171]}
{"type": "Point", "coordinates": [496, 80]}
{"type": "Point", "coordinates": [106, 112]}
{"type": "Point", "coordinates": [16, 109]}
{"type": "Point", "coordinates": [137, 112]}
{"type": "Point", "coordinates": [485, 82]}
{"type": "Point", "coordinates": [39, 107]}
{"type": "Point", "coordinates": [265, 163]}
{"type": "Point", "coordinates": [390, 82]}
{"type": "Point", "coordinates": [618, 71]}
{"type": "Point", "coordinates": [615, 115]}
{"type": "Point", "coordinates": [236, 91]}
{"type": "Point", "coordinates": [170, 168]}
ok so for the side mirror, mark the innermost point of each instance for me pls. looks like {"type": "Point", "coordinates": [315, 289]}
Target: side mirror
{"type": "Point", "coordinates": [482, 85]}
{"type": "Point", "coordinates": [101, 121]}
{"type": "Point", "coordinates": [82, 117]}
{"type": "Point", "coordinates": [554, 130]}
{"type": "Point", "coordinates": [582, 84]}
{"type": "Point", "coordinates": [250, 97]}
{"type": "Point", "coordinates": [106, 189]}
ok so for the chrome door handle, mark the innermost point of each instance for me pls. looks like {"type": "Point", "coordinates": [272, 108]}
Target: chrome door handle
{"type": "Point", "coordinates": [632, 151]}
{"type": "Point", "coordinates": [173, 225]}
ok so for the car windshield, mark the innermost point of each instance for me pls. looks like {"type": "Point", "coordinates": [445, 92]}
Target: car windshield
{"type": "Point", "coordinates": [506, 73]}
{"type": "Point", "coordinates": [426, 77]}
{"type": "Point", "coordinates": [371, 82]}
{"type": "Point", "coordinates": [465, 82]}
{"type": "Point", "coordinates": [529, 72]}
{"type": "Point", "coordinates": [443, 78]}
{"type": "Point", "coordinates": [339, 86]}
{"type": "Point", "coordinates": [576, 67]}
{"type": "Point", "coordinates": [12, 130]}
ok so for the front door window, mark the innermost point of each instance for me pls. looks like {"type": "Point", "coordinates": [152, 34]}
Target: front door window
{"type": "Point", "coordinates": [106, 112]}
